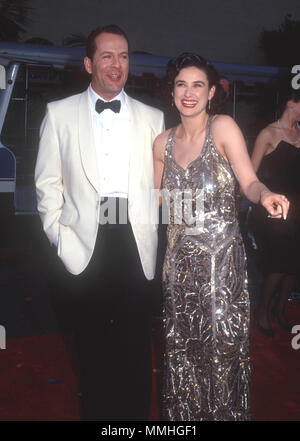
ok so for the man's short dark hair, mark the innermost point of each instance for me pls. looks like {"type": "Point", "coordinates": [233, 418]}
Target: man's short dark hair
{"type": "Point", "coordinates": [109, 29]}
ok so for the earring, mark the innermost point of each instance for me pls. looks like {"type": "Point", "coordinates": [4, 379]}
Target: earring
{"type": "Point", "coordinates": [208, 104]}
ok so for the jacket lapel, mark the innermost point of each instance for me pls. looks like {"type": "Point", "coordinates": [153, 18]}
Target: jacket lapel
{"type": "Point", "coordinates": [86, 141]}
{"type": "Point", "coordinates": [137, 135]}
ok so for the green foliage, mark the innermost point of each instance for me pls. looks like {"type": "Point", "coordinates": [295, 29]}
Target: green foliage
{"type": "Point", "coordinates": [40, 41]}
{"type": "Point", "coordinates": [13, 17]}
{"type": "Point", "coordinates": [281, 46]}
{"type": "Point", "coordinates": [75, 40]}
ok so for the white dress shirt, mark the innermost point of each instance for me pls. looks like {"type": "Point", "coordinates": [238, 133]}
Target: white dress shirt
{"type": "Point", "coordinates": [112, 146]}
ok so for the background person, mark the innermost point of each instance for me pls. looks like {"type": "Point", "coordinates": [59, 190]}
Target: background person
{"type": "Point", "coordinates": [276, 156]}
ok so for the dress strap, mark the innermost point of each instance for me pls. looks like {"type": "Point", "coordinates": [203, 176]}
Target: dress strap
{"type": "Point", "coordinates": [170, 141]}
{"type": "Point", "coordinates": [208, 124]}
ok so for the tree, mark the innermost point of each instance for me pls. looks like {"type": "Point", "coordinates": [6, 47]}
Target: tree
{"type": "Point", "coordinates": [14, 15]}
{"type": "Point", "coordinates": [40, 41]}
{"type": "Point", "coordinates": [281, 46]}
{"type": "Point", "coordinates": [75, 40]}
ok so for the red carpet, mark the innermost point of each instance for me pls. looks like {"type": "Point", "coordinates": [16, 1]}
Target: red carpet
{"type": "Point", "coordinates": [37, 382]}
{"type": "Point", "coordinates": [276, 373]}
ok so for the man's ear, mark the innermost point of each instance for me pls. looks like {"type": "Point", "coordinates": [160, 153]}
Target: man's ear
{"type": "Point", "coordinates": [88, 64]}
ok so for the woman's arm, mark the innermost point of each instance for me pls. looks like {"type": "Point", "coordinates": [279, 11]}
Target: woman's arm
{"type": "Point", "coordinates": [158, 159]}
{"type": "Point", "coordinates": [261, 147]}
{"type": "Point", "coordinates": [231, 143]}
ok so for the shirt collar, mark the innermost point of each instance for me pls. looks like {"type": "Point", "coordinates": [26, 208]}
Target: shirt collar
{"type": "Point", "coordinates": [121, 96]}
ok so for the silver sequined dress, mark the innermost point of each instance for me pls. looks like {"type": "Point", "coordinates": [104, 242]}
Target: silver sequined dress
{"type": "Point", "coordinates": [206, 301]}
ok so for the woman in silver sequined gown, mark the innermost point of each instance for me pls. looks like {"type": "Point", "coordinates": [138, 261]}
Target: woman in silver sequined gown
{"type": "Point", "coordinates": [206, 302]}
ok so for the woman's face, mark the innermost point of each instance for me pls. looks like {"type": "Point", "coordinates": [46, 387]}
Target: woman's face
{"type": "Point", "coordinates": [295, 107]}
{"type": "Point", "coordinates": [191, 91]}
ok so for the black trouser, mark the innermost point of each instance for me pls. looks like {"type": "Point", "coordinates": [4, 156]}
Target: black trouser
{"type": "Point", "coordinates": [108, 308]}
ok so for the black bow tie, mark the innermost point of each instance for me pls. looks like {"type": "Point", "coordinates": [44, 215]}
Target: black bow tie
{"type": "Point", "coordinates": [115, 106]}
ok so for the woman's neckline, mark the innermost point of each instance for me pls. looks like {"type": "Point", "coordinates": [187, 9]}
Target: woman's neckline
{"type": "Point", "coordinates": [287, 139]}
{"type": "Point", "coordinates": [277, 146]}
{"type": "Point", "coordinates": [206, 130]}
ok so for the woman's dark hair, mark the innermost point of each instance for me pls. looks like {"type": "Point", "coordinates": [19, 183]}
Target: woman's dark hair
{"type": "Point", "coordinates": [188, 59]}
{"type": "Point", "coordinates": [109, 29]}
{"type": "Point", "coordinates": [286, 93]}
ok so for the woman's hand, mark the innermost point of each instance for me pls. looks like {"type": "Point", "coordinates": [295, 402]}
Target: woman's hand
{"type": "Point", "coordinates": [277, 205]}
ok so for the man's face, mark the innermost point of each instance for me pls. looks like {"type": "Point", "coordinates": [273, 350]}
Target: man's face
{"type": "Point", "coordinates": [109, 66]}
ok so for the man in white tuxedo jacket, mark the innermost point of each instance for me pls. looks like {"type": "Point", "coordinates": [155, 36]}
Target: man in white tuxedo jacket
{"type": "Point", "coordinates": [96, 152]}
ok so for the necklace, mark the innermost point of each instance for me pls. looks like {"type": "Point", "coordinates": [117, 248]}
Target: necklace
{"type": "Point", "coordinates": [286, 137]}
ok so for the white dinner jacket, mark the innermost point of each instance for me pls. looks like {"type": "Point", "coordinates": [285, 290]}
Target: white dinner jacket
{"type": "Point", "coordinates": [67, 181]}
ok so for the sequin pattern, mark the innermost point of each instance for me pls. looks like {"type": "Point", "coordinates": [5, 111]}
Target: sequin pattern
{"type": "Point", "coordinates": [206, 301]}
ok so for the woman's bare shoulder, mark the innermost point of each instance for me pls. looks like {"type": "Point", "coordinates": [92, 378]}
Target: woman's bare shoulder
{"type": "Point", "coordinates": [221, 121]}
{"type": "Point", "coordinates": [223, 128]}
{"type": "Point", "coordinates": [162, 137]}
{"type": "Point", "coordinates": [269, 133]}
{"type": "Point", "coordinates": [160, 142]}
